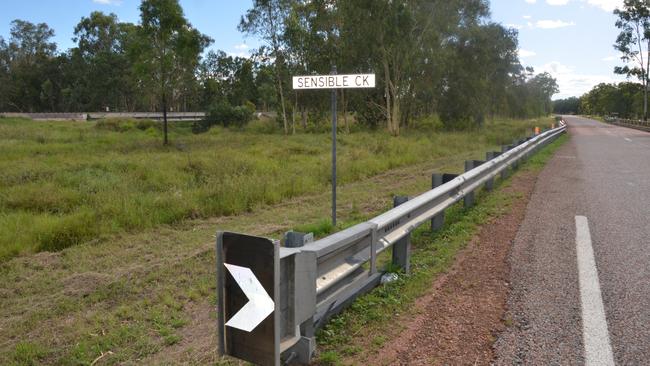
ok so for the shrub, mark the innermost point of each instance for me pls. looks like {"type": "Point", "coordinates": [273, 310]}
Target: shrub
{"type": "Point", "coordinates": [430, 122]}
{"type": "Point", "coordinates": [224, 114]}
{"type": "Point", "coordinates": [125, 124]}
{"type": "Point", "coordinates": [66, 231]}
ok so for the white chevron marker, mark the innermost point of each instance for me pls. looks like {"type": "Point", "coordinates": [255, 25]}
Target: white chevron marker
{"type": "Point", "coordinates": [259, 304]}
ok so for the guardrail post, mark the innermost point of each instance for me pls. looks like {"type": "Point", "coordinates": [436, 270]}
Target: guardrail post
{"type": "Point", "coordinates": [515, 164]}
{"type": "Point", "coordinates": [438, 220]}
{"type": "Point", "coordinates": [437, 180]}
{"type": "Point", "coordinates": [402, 249]}
{"type": "Point", "coordinates": [489, 185]}
{"type": "Point", "coordinates": [468, 200]}
{"type": "Point", "coordinates": [504, 172]}
{"type": "Point", "coordinates": [294, 239]}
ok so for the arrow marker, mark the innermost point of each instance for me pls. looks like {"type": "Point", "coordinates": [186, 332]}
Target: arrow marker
{"type": "Point", "coordinates": [259, 304]}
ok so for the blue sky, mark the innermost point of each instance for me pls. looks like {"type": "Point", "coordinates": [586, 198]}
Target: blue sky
{"type": "Point", "coordinates": [571, 39]}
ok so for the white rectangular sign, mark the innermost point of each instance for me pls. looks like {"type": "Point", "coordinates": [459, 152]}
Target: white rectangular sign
{"type": "Point", "coordinates": [334, 81]}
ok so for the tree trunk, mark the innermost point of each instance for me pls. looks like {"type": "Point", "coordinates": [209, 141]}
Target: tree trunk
{"type": "Point", "coordinates": [396, 115]}
{"type": "Point", "coordinates": [389, 115]}
{"type": "Point", "coordinates": [284, 112]}
{"type": "Point", "coordinates": [164, 105]}
{"type": "Point", "coordinates": [645, 86]}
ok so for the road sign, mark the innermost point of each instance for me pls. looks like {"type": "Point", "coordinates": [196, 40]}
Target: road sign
{"type": "Point", "coordinates": [350, 81]}
{"type": "Point", "coordinates": [259, 304]}
{"type": "Point", "coordinates": [248, 289]}
{"type": "Point", "coordinates": [333, 82]}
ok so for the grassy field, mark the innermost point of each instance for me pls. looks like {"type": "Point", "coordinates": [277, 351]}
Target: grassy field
{"type": "Point", "coordinates": [68, 183]}
{"type": "Point", "coordinates": [146, 295]}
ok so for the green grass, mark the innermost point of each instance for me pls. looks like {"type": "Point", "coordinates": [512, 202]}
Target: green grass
{"type": "Point", "coordinates": [148, 296]}
{"type": "Point", "coordinates": [68, 183]}
{"type": "Point", "coordinates": [434, 253]}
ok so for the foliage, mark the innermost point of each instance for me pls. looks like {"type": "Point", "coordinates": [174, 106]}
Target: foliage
{"type": "Point", "coordinates": [567, 106]}
{"type": "Point", "coordinates": [169, 48]}
{"type": "Point", "coordinates": [224, 114]}
{"type": "Point", "coordinates": [125, 124]}
{"type": "Point", "coordinates": [624, 100]}
{"type": "Point", "coordinates": [634, 43]}
{"type": "Point", "coordinates": [444, 58]}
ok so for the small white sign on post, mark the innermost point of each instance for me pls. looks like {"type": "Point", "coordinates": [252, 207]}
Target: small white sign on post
{"type": "Point", "coordinates": [349, 81]}
{"type": "Point", "coordinates": [332, 82]}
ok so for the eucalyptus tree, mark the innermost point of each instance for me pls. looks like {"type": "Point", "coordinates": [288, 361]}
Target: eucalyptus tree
{"type": "Point", "coordinates": [4, 73]}
{"type": "Point", "coordinates": [104, 70]}
{"type": "Point", "coordinates": [170, 48]}
{"type": "Point", "coordinates": [31, 56]}
{"type": "Point", "coordinates": [267, 20]}
{"type": "Point", "coordinates": [633, 42]}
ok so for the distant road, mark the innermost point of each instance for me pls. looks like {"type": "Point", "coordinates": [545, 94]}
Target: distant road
{"type": "Point", "coordinates": [581, 261]}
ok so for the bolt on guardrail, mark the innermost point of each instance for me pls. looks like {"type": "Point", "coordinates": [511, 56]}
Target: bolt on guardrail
{"type": "Point", "coordinates": [286, 293]}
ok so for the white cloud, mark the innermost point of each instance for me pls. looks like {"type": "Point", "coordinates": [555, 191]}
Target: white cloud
{"type": "Point", "coordinates": [571, 82]}
{"type": "Point", "coordinates": [527, 17]}
{"type": "Point", "coordinates": [241, 46]}
{"type": "Point", "coordinates": [242, 54]}
{"type": "Point", "coordinates": [552, 24]}
{"type": "Point", "coordinates": [606, 5]}
{"type": "Point", "coordinates": [609, 58]}
{"type": "Point", "coordinates": [108, 2]}
{"type": "Point", "coordinates": [531, 1]}
{"type": "Point", "coordinates": [526, 53]}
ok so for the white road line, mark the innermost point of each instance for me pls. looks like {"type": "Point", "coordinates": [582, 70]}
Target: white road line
{"type": "Point", "coordinates": [628, 140]}
{"type": "Point", "coordinates": [598, 350]}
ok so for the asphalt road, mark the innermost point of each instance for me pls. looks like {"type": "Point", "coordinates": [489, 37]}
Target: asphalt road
{"type": "Point", "coordinates": [580, 264]}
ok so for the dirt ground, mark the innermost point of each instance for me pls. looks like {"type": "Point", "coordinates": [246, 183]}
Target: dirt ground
{"type": "Point", "coordinates": [457, 322]}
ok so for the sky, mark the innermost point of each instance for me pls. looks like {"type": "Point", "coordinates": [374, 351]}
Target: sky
{"type": "Point", "coordinates": [570, 39]}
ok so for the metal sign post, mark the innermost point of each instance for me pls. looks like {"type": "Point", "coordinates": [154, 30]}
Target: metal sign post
{"type": "Point", "coordinates": [334, 127]}
{"type": "Point", "coordinates": [333, 82]}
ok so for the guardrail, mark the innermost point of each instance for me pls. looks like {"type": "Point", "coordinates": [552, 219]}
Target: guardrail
{"type": "Point", "coordinates": [630, 123]}
{"type": "Point", "coordinates": [171, 116]}
{"type": "Point", "coordinates": [272, 298]}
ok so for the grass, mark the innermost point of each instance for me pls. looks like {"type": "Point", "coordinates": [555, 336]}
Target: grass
{"type": "Point", "coordinates": [69, 183]}
{"type": "Point", "coordinates": [147, 296]}
{"type": "Point", "coordinates": [433, 254]}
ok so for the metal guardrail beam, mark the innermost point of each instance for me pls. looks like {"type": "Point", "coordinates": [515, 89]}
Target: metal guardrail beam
{"type": "Point", "coordinates": [320, 278]}
{"type": "Point", "coordinates": [630, 123]}
{"type": "Point", "coordinates": [171, 116]}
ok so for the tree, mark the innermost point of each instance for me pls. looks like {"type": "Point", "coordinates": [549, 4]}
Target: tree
{"type": "Point", "coordinates": [103, 70]}
{"type": "Point", "coordinates": [634, 43]}
{"type": "Point", "coordinates": [31, 57]}
{"type": "Point", "coordinates": [170, 47]}
{"type": "Point", "coordinates": [4, 74]}
{"type": "Point", "coordinates": [266, 19]}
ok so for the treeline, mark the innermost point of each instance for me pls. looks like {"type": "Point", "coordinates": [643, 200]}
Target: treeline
{"type": "Point", "coordinates": [624, 100]}
{"type": "Point", "coordinates": [431, 57]}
